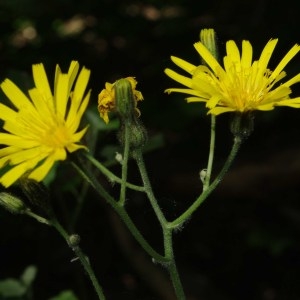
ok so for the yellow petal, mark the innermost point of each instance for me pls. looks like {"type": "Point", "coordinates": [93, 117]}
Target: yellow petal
{"type": "Point", "coordinates": [77, 96]}
{"type": "Point", "coordinates": [43, 106]}
{"type": "Point", "coordinates": [292, 81]}
{"type": "Point", "coordinates": [11, 140]}
{"type": "Point", "coordinates": [266, 55]}
{"type": "Point", "coordinates": [7, 114]}
{"type": "Point", "coordinates": [179, 78]}
{"type": "Point", "coordinates": [41, 80]}
{"type": "Point", "coordinates": [246, 59]}
{"type": "Point", "coordinates": [72, 72]}
{"type": "Point", "coordinates": [8, 150]}
{"type": "Point", "coordinates": [220, 110]}
{"type": "Point", "coordinates": [61, 95]}
{"type": "Point", "coordinates": [294, 102]}
{"type": "Point", "coordinates": [42, 170]}
{"type": "Point", "coordinates": [213, 101]}
{"type": "Point", "coordinates": [16, 172]}
{"type": "Point", "coordinates": [184, 91]}
{"type": "Point", "coordinates": [293, 51]}
{"type": "Point", "coordinates": [280, 93]}
{"type": "Point", "coordinates": [74, 117]}
{"type": "Point", "coordinates": [26, 155]}
{"type": "Point", "coordinates": [196, 99]}
{"type": "Point", "coordinates": [78, 135]}
{"type": "Point", "coordinates": [186, 66]}
{"type": "Point", "coordinates": [265, 107]}
{"type": "Point", "coordinates": [232, 51]}
{"type": "Point", "coordinates": [14, 94]}
{"type": "Point", "coordinates": [208, 57]}
{"type": "Point", "coordinates": [81, 84]}
{"type": "Point", "coordinates": [5, 154]}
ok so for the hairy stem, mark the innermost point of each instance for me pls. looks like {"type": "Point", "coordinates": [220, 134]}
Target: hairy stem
{"type": "Point", "coordinates": [83, 259]}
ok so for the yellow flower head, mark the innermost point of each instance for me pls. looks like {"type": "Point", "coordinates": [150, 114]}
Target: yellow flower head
{"type": "Point", "coordinates": [42, 128]}
{"type": "Point", "coordinates": [106, 98]}
{"type": "Point", "coordinates": [242, 84]}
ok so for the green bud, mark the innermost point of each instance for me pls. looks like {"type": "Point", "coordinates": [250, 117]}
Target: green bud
{"type": "Point", "coordinates": [125, 101]}
{"type": "Point", "coordinates": [12, 203]}
{"type": "Point", "coordinates": [203, 174]}
{"type": "Point", "coordinates": [242, 125]}
{"type": "Point", "coordinates": [209, 40]}
{"type": "Point", "coordinates": [137, 134]}
{"type": "Point", "coordinates": [74, 240]}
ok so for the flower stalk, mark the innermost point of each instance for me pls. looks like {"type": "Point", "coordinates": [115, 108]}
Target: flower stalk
{"type": "Point", "coordinates": [83, 259]}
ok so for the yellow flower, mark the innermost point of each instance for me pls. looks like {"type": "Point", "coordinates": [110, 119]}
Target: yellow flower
{"type": "Point", "coordinates": [106, 98]}
{"type": "Point", "coordinates": [242, 85]}
{"type": "Point", "coordinates": [42, 128]}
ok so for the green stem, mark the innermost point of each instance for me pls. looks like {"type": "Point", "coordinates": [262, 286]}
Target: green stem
{"type": "Point", "coordinates": [112, 177]}
{"type": "Point", "coordinates": [148, 189]}
{"type": "Point", "coordinates": [167, 232]}
{"type": "Point", "coordinates": [187, 214]}
{"type": "Point", "coordinates": [83, 259]}
{"type": "Point", "coordinates": [88, 175]}
{"type": "Point", "coordinates": [124, 165]}
{"type": "Point", "coordinates": [172, 268]}
{"type": "Point", "coordinates": [211, 153]}
{"type": "Point", "coordinates": [40, 219]}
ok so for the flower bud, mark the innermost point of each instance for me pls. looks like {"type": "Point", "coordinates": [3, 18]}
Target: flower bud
{"type": "Point", "coordinates": [137, 135]}
{"type": "Point", "coordinates": [203, 174]}
{"type": "Point", "coordinates": [242, 125]}
{"type": "Point", "coordinates": [119, 157]}
{"type": "Point", "coordinates": [209, 40]}
{"type": "Point", "coordinates": [12, 203]}
{"type": "Point", "coordinates": [125, 102]}
{"type": "Point", "coordinates": [74, 240]}
{"type": "Point", "coordinates": [125, 105]}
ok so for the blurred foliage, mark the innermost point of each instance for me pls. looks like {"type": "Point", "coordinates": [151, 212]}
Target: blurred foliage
{"type": "Point", "coordinates": [65, 295]}
{"type": "Point", "coordinates": [12, 288]}
{"type": "Point", "coordinates": [244, 242]}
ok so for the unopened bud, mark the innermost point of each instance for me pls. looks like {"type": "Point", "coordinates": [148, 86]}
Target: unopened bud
{"type": "Point", "coordinates": [125, 101]}
{"type": "Point", "coordinates": [137, 135]}
{"type": "Point", "coordinates": [74, 240]}
{"type": "Point", "coordinates": [209, 40]}
{"type": "Point", "coordinates": [203, 174]}
{"type": "Point", "coordinates": [12, 203]}
{"type": "Point", "coordinates": [119, 157]}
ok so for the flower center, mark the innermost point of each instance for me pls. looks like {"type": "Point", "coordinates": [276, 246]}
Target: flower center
{"type": "Point", "coordinates": [56, 136]}
{"type": "Point", "coordinates": [50, 131]}
{"type": "Point", "coordinates": [244, 88]}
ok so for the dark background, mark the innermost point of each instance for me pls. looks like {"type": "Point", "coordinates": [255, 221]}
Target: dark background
{"type": "Point", "coordinates": [243, 243]}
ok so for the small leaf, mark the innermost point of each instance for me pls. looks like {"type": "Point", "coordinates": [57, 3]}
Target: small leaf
{"type": "Point", "coordinates": [65, 295]}
{"type": "Point", "coordinates": [29, 275]}
{"type": "Point", "coordinates": [12, 288]}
